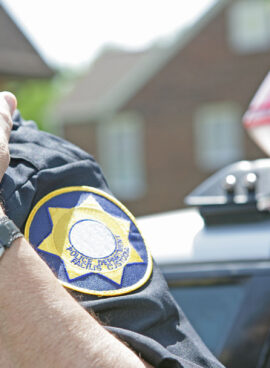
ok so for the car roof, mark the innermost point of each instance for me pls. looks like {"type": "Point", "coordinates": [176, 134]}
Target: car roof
{"type": "Point", "coordinates": [181, 237]}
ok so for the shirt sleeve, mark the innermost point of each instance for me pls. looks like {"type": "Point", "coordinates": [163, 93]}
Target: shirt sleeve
{"type": "Point", "coordinates": [152, 324]}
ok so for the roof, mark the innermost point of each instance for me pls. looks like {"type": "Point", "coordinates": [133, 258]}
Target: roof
{"type": "Point", "coordinates": [98, 90]}
{"type": "Point", "coordinates": [180, 237]}
{"type": "Point", "coordinates": [18, 57]}
{"type": "Point", "coordinates": [116, 76]}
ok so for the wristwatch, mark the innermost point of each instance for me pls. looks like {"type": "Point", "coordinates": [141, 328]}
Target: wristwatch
{"type": "Point", "coordinates": [8, 233]}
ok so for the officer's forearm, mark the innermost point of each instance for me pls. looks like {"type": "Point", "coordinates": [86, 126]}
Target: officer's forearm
{"type": "Point", "coordinates": [41, 325]}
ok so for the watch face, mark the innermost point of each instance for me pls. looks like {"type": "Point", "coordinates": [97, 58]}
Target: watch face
{"type": "Point", "coordinates": [5, 235]}
{"type": "Point", "coordinates": [8, 232]}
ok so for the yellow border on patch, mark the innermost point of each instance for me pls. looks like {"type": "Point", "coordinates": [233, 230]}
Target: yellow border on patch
{"type": "Point", "coordinates": [124, 209]}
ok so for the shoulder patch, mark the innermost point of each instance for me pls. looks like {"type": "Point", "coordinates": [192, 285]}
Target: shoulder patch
{"type": "Point", "coordinates": [90, 241]}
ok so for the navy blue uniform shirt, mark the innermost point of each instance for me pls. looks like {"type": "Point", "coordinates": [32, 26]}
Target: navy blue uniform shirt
{"type": "Point", "coordinates": [147, 319]}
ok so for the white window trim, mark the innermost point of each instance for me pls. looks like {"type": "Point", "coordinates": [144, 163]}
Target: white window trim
{"type": "Point", "coordinates": [238, 37]}
{"type": "Point", "coordinates": [221, 153]}
{"type": "Point", "coordinates": [133, 185]}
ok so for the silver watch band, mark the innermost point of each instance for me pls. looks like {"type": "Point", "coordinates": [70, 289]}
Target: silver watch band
{"type": "Point", "coordinates": [2, 250]}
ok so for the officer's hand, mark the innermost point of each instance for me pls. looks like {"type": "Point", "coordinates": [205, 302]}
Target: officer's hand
{"type": "Point", "coordinates": [8, 105]}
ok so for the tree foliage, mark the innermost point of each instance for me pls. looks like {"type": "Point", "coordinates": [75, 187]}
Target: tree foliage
{"type": "Point", "coordinates": [34, 98]}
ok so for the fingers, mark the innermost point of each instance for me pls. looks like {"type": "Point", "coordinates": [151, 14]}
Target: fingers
{"type": "Point", "coordinates": [10, 100]}
{"type": "Point", "coordinates": [8, 105]}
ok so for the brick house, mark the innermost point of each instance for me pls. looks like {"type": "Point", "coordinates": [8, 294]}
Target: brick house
{"type": "Point", "coordinates": [162, 120]}
{"type": "Point", "coordinates": [18, 58]}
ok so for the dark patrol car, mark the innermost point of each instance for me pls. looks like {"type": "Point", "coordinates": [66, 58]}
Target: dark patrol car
{"type": "Point", "coordinates": [216, 259]}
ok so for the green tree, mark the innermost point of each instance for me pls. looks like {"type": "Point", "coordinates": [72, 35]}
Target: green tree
{"type": "Point", "coordinates": [36, 96]}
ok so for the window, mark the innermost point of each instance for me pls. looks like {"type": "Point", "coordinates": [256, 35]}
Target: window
{"type": "Point", "coordinates": [211, 310]}
{"type": "Point", "coordinates": [218, 135]}
{"type": "Point", "coordinates": [249, 26]}
{"type": "Point", "coordinates": [121, 153]}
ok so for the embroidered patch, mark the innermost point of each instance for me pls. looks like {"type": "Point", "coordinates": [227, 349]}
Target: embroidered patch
{"type": "Point", "coordinates": [90, 241]}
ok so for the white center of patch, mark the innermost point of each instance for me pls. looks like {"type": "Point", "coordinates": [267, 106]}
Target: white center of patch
{"type": "Point", "coordinates": [92, 238]}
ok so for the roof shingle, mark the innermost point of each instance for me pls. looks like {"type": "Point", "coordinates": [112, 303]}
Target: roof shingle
{"type": "Point", "coordinates": [17, 56]}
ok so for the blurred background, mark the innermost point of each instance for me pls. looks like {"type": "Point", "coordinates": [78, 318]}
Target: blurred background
{"type": "Point", "coordinates": [154, 90]}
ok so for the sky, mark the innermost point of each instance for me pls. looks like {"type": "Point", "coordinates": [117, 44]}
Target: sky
{"type": "Point", "coordinates": [70, 33]}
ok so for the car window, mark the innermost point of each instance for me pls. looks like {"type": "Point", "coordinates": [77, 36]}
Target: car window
{"type": "Point", "coordinates": [211, 309]}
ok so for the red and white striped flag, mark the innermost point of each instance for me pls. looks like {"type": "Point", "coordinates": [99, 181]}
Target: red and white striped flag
{"type": "Point", "coordinates": [257, 118]}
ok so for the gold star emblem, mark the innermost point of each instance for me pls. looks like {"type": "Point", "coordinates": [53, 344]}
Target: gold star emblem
{"type": "Point", "coordinates": [90, 240]}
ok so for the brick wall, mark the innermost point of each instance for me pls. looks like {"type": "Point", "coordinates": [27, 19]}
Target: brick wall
{"type": "Point", "coordinates": [83, 135]}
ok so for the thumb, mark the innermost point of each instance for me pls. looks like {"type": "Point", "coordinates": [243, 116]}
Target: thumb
{"type": "Point", "coordinates": [10, 101]}
{"type": "Point", "coordinates": [8, 105]}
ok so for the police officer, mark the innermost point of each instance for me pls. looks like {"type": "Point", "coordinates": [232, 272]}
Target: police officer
{"type": "Point", "coordinates": [56, 194]}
